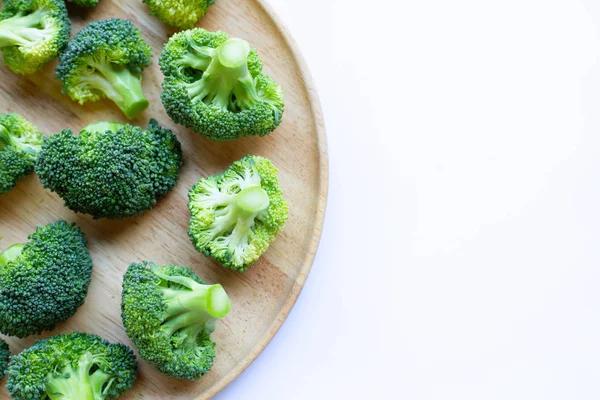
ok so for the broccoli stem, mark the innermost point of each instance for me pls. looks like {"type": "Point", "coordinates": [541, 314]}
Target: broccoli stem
{"type": "Point", "coordinates": [198, 57]}
{"type": "Point", "coordinates": [23, 30]}
{"type": "Point", "coordinates": [75, 382]}
{"type": "Point", "coordinates": [226, 83]}
{"type": "Point", "coordinates": [120, 85]}
{"type": "Point", "coordinates": [252, 200]}
{"type": "Point", "coordinates": [192, 309]}
{"type": "Point", "coordinates": [11, 254]}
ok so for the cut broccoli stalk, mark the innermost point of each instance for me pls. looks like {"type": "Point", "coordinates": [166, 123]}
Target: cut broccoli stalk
{"type": "Point", "coordinates": [226, 83]}
{"type": "Point", "coordinates": [120, 85]}
{"type": "Point", "coordinates": [84, 381]}
{"type": "Point", "coordinates": [11, 254]}
{"type": "Point", "coordinates": [192, 309]}
{"type": "Point", "coordinates": [24, 30]}
{"type": "Point", "coordinates": [235, 216]}
{"type": "Point", "coordinates": [252, 200]}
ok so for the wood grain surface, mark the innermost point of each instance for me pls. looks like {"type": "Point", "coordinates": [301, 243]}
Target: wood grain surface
{"type": "Point", "coordinates": [263, 296]}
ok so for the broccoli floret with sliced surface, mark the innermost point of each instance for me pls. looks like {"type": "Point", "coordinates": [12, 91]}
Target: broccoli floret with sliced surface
{"type": "Point", "coordinates": [215, 86]}
{"type": "Point", "coordinates": [182, 14]}
{"type": "Point", "coordinates": [20, 142]}
{"type": "Point", "coordinates": [169, 315]}
{"type": "Point", "coordinates": [72, 366]}
{"type": "Point", "coordinates": [32, 33]}
{"type": "Point", "coordinates": [111, 170]}
{"type": "Point", "coordinates": [106, 59]}
{"type": "Point", "coordinates": [237, 214]}
{"type": "Point", "coordinates": [43, 281]}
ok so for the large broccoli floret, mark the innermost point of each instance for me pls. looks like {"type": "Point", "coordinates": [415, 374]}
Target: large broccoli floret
{"type": "Point", "coordinates": [73, 366]}
{"type": "Point", "coordinates": [32, 33]}
{"type": "Point", "coordinates": [237, 214]}
{"type": "Point", "coordinates": [85, 3]}
{"type": "Point", "coordinates": [169, 315]}
{"type": "Point", "coordinates": [20, 142]}
{"type": "Point", "coordinates": [4, 357]}
{"type": "Point", "coordinates": [106, 59]}
{"type": "Point", "coordinates": [182, 14]}
{"type": "Point", "coordinates": [43, 281]}
{"type": "Point", "coordinates": [111, 170]}
{"type": "Point", "coordinates": [215, 86]}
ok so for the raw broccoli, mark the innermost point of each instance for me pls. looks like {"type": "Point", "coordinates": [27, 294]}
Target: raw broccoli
{"type": "Point", "coordinates": [32, 33]}
{"type": "Point", "coordinates": [4, 357]}
{"type": "Point", "coordinates": [72, 366]}
{"type": "Point", "coordinates": [44, 281]}
{"type": "Point", "coordinates": [111, 170]}
{"type": "Point", "coordinates": [169, 315]}
{"type": "Point", "coordinates": [237, 214]}
{"type": "Point", "coordinates": [20, 143]}
{"type": "Point", "coordinates": [106, 59]}
{"type": "Point", "coordinates": [182, 14]}
{"type": "Point", "coordinates": [215, 85]}
{"type": "Point", "coordinates": [85, 3]}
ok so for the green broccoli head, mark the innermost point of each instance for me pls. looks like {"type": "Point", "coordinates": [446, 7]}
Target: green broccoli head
{"type": "Point", "coordinates": [43, 281]}
{"type": "Point", "coordinates": [73, 366]}
{"type": "Point", "coordinates": [111, 170]}
{"type": "Point", "coordinates": [85, 3]}
{"type": "Point", "coordinates": [215, 86]}
{"type": "Point", "coordinates": [169, 315]}
{"type": "Point", "coordinates": [237, 214]}
{"type": "Point", "coordinates": [4, 357]}
{"type": "Point", "coordinates": [20, 142]}
{"type": "Point", "coordinates": [32, 33]}
{"type": "Point", "coordinates": [106, 59]}
{"type": "Point", "coordinates": [182, 14]}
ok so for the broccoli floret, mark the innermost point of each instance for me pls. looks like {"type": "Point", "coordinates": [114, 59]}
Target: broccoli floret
{"type": "Point", "coordinates": [73, 366]}
{"type": "Point", "coordinates": [111, 170]}
{"type": "Point", "coordinates": [215, 85]}
{"type": "Point", "coordinates": [85, 3]}
{"type": "Point", "coordinates": [182, 14]}
{"type": "Point", "coordinates": [32, 33]}
{"type": "Point", "coordinates": [106, 59]}
{"type": "Point", "coordinates": [237, 214]}
{"type": "Point", "coordinates": [43, 281]}
{"type": "Point", "coordinates": [4, 357]}
{"type": "Point", "coordinates": [20, 142]}
{"type": "Point", "coordinates": [169, 315]}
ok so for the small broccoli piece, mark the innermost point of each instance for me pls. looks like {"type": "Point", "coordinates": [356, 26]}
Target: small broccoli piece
{"type": "Point", "coordinates": [72, 366]}
{"type": "Point", "coordinates": [32, 33]}
{"type": "Point", "coordinates": [111, 170]}
{"type": "Point", "coordinates": [43, 281]}
{"type": "Point", "coordinates": [85, 3]}
{"type": "Point", "coordinates": [182, 14]}
{"type": "Point", "coordinates": [4, 357]}
{"type": "Point", "coordinates": [237, 214]}
{"type": "Point", "coordinates": [169, 315]}
{"type": "Point", "coordinates": [215, 85]}
{"type": "Point", "coordinates": [20, 142]}
{"type": "Point", "coordinates": [106, 59]}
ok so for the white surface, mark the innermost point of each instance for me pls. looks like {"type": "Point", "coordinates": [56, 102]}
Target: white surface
{"type": "Point", "coordinates": [460, 257]}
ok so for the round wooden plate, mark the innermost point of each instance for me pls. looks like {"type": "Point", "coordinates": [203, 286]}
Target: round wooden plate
{"type": "Point", "coordinates": [263, 296]}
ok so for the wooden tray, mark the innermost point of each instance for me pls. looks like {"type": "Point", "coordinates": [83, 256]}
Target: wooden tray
{"type": "Point", "coordinates": [263, 296]}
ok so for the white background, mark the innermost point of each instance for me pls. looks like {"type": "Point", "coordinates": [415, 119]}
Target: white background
{"type": "Point", "coordinates": [460, 255]}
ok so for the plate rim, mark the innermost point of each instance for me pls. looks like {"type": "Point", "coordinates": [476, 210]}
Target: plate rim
{"type": "Point", "coordinates": [319, 122]}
